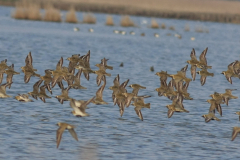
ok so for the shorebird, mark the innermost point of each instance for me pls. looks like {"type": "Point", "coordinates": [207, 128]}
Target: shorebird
{"type": "Point", "coordinates": [210, 116]}
{"type": "Point", "coordinates": [228, 95]}
{"type": "Point", "coordinates": [203, 61]}
{"type": "Point", "coordinates": [73, 61]}
{"type": "Point", "coordinates": [163, 76]}
{"type": "Point", "coordinates": [100, 73]}
{"type": "Point", "coordinates": [230, 72]}
{"type": "Point", "coordinates": [193, 62]}
{"type": "Point", "coordinates": [80, 107]}
{"type": "Point", "coordinates": [10, 72]}
{"type": "Point", "coordinates": [77, 81]}
{"type": "Point", "coordinates": [139, 104]}
{"type": "Point", "coordinates": [61, 129]}
{"type": "Point", "coordinates": [28, 69]}
{"type": "Point", "coordinates": [204, 73]}
{"type": "Point", "coordinates": [3, 66]}
{"type": "Point", "coordinates": [47, 78]}
{"type": "Point", "coordinates": [176, 106]}
{"type": "Point", "coordinates": [104, 62]}
{"type": "Point", "coordinates": [23, 98]}
{"type": "Point", "coordinates": [99, 99]}
{"type": "Point", "coordinates": [57, 74]}
{"type": "Point", "coordinates": [42, 94]}
{"type": "Point", "coordinates": [35, 91]}
{"type": "Point", "coordinates": [136, 88]}
{"type": "Point", "coordinates": [64, 96]}
{"type": "Point", "coordinates": [120, 100]}
{"type": "Point", "coordinates": [214, 106]}
{"type": "Point", "coordinates": [217, 96]}
{"type": "Point", "coordinates": [3, 93]}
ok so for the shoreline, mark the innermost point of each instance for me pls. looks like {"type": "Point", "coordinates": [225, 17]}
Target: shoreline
{"type": "Point", "coordinates": [140, 11]}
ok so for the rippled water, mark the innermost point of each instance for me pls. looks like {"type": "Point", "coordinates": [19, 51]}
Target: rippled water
{"type": "Point", "coordinates": [28, 130]}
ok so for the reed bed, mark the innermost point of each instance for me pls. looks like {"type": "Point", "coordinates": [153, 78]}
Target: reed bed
{"type": "Point", "coordinates": [26, 10]}
{"type": "Point", "coordinates": [89, 18]}
{"type": "Point", "coordinates": [154, 24]}
{"type": "Point", "coordinates": [71, 16]}
{"type": "Point", "coordinates": [109, 21]}
{"type": "Point", "coordinates": [52, 14]}
{"type": "Point", "coordinates": [126, 22]}
{"type": "Point", "coordinates": [229, 12]}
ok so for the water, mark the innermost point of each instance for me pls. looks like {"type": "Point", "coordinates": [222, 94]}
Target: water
{"type": "Point", "coordinates": [28, 130]}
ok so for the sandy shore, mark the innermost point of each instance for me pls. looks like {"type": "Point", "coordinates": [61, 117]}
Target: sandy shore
{"type": "Point", "coordinates": [205, 10]}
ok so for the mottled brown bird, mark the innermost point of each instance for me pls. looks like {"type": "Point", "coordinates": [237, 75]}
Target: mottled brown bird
{"type": "Point", "coordinates": [10, 72]}
{"type": "Point", "coordinates": [210, 116]}
{"type": "Point", "coordinates": [28, 69]}
{"type": "Point", "coordinates": [35, 91]}
{"type": "Point", "coordinates": [228, 95]}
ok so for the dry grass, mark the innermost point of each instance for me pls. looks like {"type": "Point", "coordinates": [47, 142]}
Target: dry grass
{"type": "Point", "coordinates": [52, 14]}
{"type": "Point", "coordinates": [109, 21]}
{"type": "Point", "coordinates": [163, 26]}
{"type": "Point", "coordinates": [126, 22]}
{"type": "Point", "coordinates": [33, 12]}
{"type": "Point", "coordinates": [154, 24]}
{"type": "Point", "coordinates": [89, 18]}
{"type": "Point", "coordinates": [71, 16]}
{"type": "Point", "coordinates": [27, 10]}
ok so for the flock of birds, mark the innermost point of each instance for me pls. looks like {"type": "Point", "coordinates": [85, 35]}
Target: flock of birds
{"type": "Point", "coordinates": [175, 90]}
{"type": "Point", "coordinates": [122, 32]}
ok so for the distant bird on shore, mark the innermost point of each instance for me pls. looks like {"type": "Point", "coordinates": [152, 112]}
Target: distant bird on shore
{"type": "Point", "coordinates": [76, 29]}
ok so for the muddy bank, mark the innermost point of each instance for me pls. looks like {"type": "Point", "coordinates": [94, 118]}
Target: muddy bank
{"type": "Point", "coordinates": [225, 16]}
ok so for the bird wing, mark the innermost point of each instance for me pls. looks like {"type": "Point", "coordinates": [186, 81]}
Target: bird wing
{"type": "Point", "coordinates": [73, 133]}
{"type": "Point", "coordinates": [139, 113]}
{"type": "Point", "coordinates": [234, 133]}
{"type": "Point", "coordinates": [193, 71]}
{"type": "Point", "coordinates": [59, 134]}
{"type": "Point", "coordinates": [99, 92]}
{"type": "Point", "coordinates": [202, 57]}
{"type": "Point", "coordinates": [203, 80]}
{"type": "Point", "coordinates": [116, 81]}
{"type": "Point", "coordinates": [36, 86]}
{"type": "Point", "coordinates": [193, 54]}
{"type": "Point", "coordinates": [170, 113]}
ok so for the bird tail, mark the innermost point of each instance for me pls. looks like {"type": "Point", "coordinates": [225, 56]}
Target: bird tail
{"type": "Point", "coordinates": [108, 74]}
{"type": "Point", "coordinates": [109, 67]}
{"type": "Point", "coordinates": [148, 105]}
